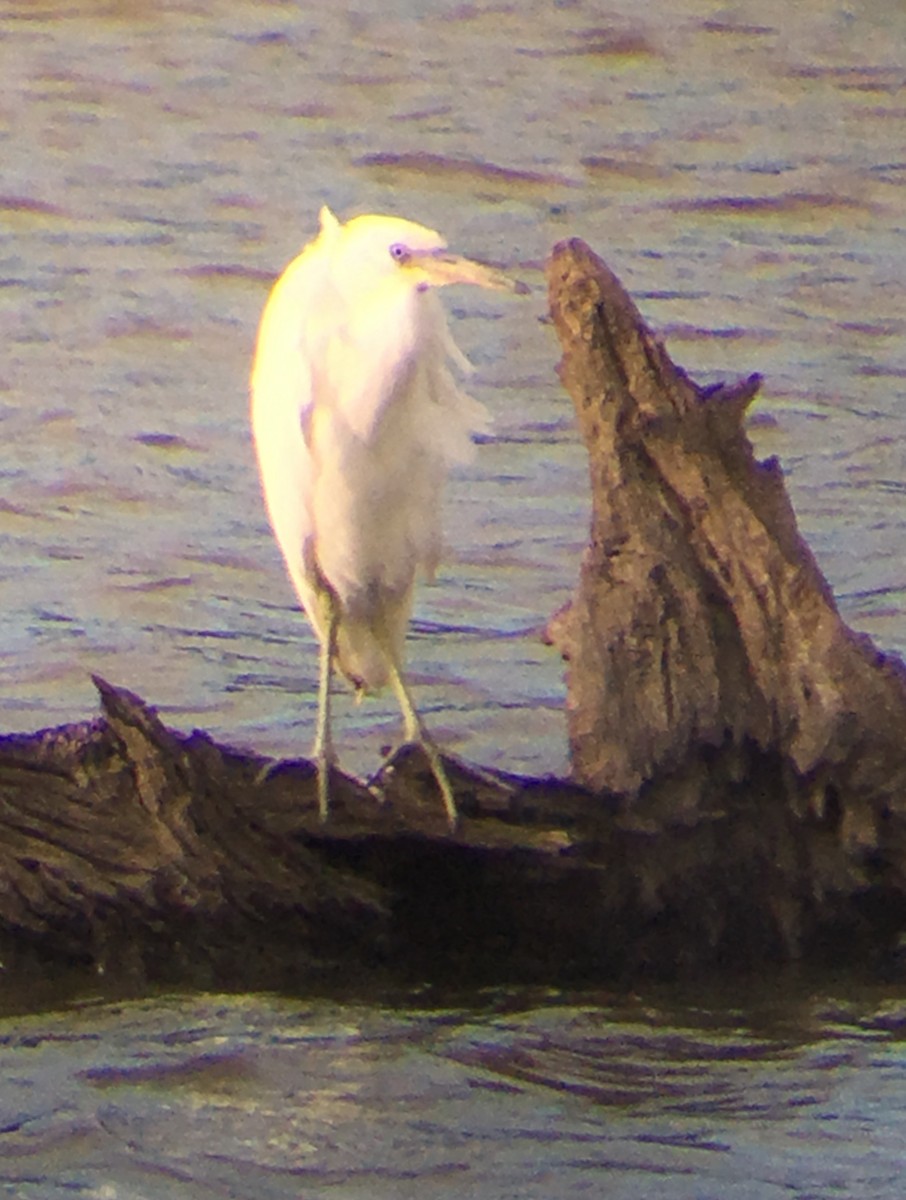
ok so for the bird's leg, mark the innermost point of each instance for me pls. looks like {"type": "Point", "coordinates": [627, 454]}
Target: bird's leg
{"type": "Point", "coordinates": [414, 731]}
{"type": "Point", "coordinates": [323, 752]}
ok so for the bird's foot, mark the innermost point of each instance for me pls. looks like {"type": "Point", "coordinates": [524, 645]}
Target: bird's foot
{"type": "Point", "coordinates": [324, 763]}
{"type": "Point", "coordinates": [439, 771]}
{"type": "Point", "coordinates": [325, 760]}
{"type": "Point", "coordinates": [378, 782]}
{"type": "Point", "coordinates": [268, 771]}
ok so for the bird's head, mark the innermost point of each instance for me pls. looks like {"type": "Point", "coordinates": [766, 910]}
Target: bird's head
{"type": "Point", "coordinates": [389, 248]}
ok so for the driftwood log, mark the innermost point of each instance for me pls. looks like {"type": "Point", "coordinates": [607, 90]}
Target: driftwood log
{"type": "Point", "coordinates": [739, 758]}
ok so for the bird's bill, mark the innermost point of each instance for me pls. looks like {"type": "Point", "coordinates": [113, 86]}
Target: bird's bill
{"type": "Point", "coordinates": [442, 268]}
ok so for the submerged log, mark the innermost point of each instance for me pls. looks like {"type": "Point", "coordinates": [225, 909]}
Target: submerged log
{"type": "Point", "coordinates": [739, 773]}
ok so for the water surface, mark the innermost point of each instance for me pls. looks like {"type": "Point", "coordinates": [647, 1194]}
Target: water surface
{"type": "Point", "coordinates": [741, 168]}
{"type": "Point", "coordinates": [774, 1093]}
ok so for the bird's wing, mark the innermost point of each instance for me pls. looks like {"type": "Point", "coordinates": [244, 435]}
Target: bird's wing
{"type": "Point", "coordinates": [283, 388]}
{"type": "Point", "coordinates": [368, 353]}
{"type": "Point", "coordinates": [397, 343]}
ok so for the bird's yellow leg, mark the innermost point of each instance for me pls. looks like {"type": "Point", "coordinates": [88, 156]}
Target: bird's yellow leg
{"type": "Point", "coordinates": [323, 752]}
{"type": "Point", "coordinates": [414, 731]}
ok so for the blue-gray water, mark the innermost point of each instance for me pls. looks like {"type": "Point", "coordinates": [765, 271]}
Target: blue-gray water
{"type": "Point", "coordinates": [741, 166]}
{"type": "Point", "coordinates": [763, 1095]}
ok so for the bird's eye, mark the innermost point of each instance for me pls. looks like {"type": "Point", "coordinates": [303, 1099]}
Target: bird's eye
{"type": "Point", "coordinates": [399, 253]}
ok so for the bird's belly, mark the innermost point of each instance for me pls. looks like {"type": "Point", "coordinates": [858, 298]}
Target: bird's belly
{"type": "Point", "coordinates": [370, 544]}
{"type": "Point", "coordinates": [377, 524]}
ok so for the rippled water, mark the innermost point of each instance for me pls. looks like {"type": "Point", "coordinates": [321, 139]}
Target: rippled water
{"type": "Point", "coordinates": [780, 1094]}
{"type": "Point", "coordinates": [742, 168]}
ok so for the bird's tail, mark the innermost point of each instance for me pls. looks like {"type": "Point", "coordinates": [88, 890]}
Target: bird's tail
{"type": "Point", "coordinates": [362, 658]}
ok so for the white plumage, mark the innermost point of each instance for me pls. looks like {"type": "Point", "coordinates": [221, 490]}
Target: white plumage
{"type": "Point", "coordinates": [357, 421]}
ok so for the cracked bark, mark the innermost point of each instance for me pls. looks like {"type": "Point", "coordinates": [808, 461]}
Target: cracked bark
{"type": "Point", "coordinates": [702, 622]}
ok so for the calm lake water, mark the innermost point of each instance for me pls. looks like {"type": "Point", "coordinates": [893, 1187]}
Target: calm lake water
{"type": "Point", "coordinates": [742, 167]}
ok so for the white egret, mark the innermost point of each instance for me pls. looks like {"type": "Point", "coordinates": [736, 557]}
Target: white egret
{"type": "Point", "coordinates": [357, 421]}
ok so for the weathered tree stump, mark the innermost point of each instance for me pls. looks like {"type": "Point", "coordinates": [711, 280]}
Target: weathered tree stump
{"type": "Point", "coordinates": [739, 767]}
{"type": "Point", "coordinates": [704, 643]}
